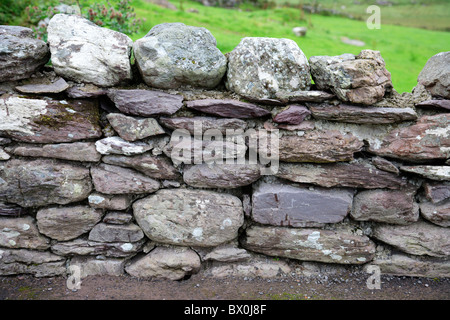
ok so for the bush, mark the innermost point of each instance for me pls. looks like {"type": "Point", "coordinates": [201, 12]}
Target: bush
{"type": "Point", "coordinates": [10, 10]}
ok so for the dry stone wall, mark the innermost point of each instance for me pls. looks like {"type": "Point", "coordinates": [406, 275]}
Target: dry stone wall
{"type": "Point", "coordinates": [188, 160]}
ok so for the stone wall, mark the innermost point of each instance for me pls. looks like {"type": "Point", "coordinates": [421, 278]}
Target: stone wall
{"type": "Point", "coordinates": [91, 175]}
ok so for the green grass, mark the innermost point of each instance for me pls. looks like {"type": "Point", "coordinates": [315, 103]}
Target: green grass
{"type": "Point", "coordinates": [404, 49]}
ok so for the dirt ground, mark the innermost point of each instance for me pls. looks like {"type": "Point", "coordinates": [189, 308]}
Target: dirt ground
{"type": "Point", "coordinates": [339, 287]}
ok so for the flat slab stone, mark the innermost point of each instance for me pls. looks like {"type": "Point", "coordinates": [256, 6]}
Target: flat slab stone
{"type": "Point", "coordinates": [294, 206]}
{"type": "Point", "coordinates": [21, 232]}
{"type": "Point", "coordinates": [438, 214]}
{"type": "Point", "coordinates": [355, 114]}
{"type": "Point", "coordinates": [132, 129]}
{"type": "Point", "coordinates": [304, 96]}
{"type": "Point", "coordinates": [76, 151]}
{"type": "Point", "coordinates": [117, 145]}
{"type": "Point", "coordinates": [57, 86]}
{"type": "Point", "coordinates": [105, 232]}
{"type": "Point", "coordinates": [443, 104]}
{"type": "Point", "coordinates": [109, 202]}
{"type": "Point", "coordinates": [145, 103]}
{"type": "Point", "coordinates": [439, 173]}
{"type": "Point", "coordinates": [293, 114]}
{"type": "Point", "coordinates": [197, 125]}
{"type": "Point", "coordinates": [228, 108]}
{"type": "Point", "coordinates": [436, 191]}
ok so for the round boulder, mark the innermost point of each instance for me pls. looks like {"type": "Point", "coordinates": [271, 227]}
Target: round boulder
{"type": "Point", "coordinates": [435, 76]}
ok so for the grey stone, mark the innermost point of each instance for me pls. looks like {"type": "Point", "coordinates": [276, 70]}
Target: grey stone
{"type": "Point", "coordinates": [172, 263]}
{"type": "Point", "coordinates": [84, 52]}
{"type": "Point", "coordinates": [21, 54]}
{"type": "Point", "coordinates": [438, 214]}
{"type": "Point", "coordinates": [260, 67]}
{"type": "Point", "coordinates": [23, 233]}
{"type": "Point", "coordinates": [198, 125]}
{"type": "Point", "coordinates": [435, 75]}
{"type": "Point", "coordinates": [228, 108]}
{"type": "Point", "coordinates": [117, 145]}
{"type": "Point", "coordinates": [208, 218]}
{"type": "Point", "coordinates": [174, 55]}
{"type": "Point", "coordinates": [132, 129]}
{"type": "Point", "coordinates": [420, 238]}
{"type": "Point", "coordinates": [4, 155]}
{"type": "Point", "coordinates": [309, 244]}
{"type": "Point", "coordinates": [109, 202]}
{"type": "Point", "coordinates": [104, 232]}
{"type": "Point", "coordinates": [226, 253]}
{"type": "Point", "coordinates": [385, 165]}
{"type": "Point", "coordinates": [436, 191]}
{"type": "Point", "coordinates": [34, 183]}
{"type": "Point", "coordinates": [76, 151]}
{"type": "Point", "coordinates": [57, 86]}
{"type": "Point", "coordinates": [85, 90]}
{"type": "Point", "coordinates": [118, 217]}
{"type": "Point", "coordinates": [11, 210]}
{"type": "Point", "coordinates": [304, 96]}
{"type": "Point", "coordinates": [442, 104]}
{"type": "Point", "coordinates": [438, 173]}
{"type": "Point", "coordinates": [67, 223]}
{"type": "Point", "coordinates": [294, 206]}
{"type": "Point", "coordinates": [111, 179]}
{"type": "Point", "coordinates": [293, 114]}
{"type": "Point", "coordinates": [90, 266]}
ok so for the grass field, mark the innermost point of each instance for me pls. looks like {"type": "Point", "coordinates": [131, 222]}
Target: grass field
{"type": "Point", "coordinates": [405, 50]}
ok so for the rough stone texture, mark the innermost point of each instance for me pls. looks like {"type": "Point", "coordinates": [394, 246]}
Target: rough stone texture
{"type": "Point", "coordinates": [293, 114]}
{"type": "Point", "coordinates": [228, 108]}
{"type": "Point", "coordinates": [439, 173]}
{"type": "Point", "coordinates": [4, 155]}
{"type": "Point", "coordinates": [285, 205]}
{"type": "Point", "coordinates": [361, 79]}
{"type": "Point", "coordinates": [11, 210]}
{"type": "Point", "coordinates": [303, 96]}
{"type": "Point", "coordinates": [21, 54]}
{"type": "Point", "coordinates": [309, 244]}
{"type": "Point", "coordinates": [118, 217]}
{"type": "Point", "coordinates": [356, 174]}
{"type": "Point", "coordinates": [173, 263]}
{"type": "Point", "coordinates": [117, 145]}
{"type": "Point", "coordinates": [82, 246]}
{"type": "Point", "coordinates": [145, 103]}
{"type": "Point", "coordinates": [428, 139]}
{"type": "Point", "coordinates": [109, 202]}
{"type": "Point", "coordinates": [258, 266]}
{"type": "Point", "coordinates": [356, 114]}
{"type": "Point", "coordinates": [435, 76]}
{"type": "Point", "coordinates": [104, 232]}
{"type": "Point", "coordinates": [388, 206]}
{"type": "Point", "coordinates": [443, 104]}
{"type": "Point", "coordinates": [84, 52]}
{"type": "Point", "coordinates": [420, 238]}
{"type": "Point", "coordinates": [436, 191]}
{"type": "Point", "coordinates": [438, 214]}
{"type": "Point", "coordinates": [37, 263]}
{"type": "Point", "coordinates": [385, 165]}
{"type": "Point", "coordinates": [76, 151]}
{"type": "Point", "coordinates": [197, 125]}
{"type": "Point", "coordinates": [56, 86]}
{"type": "Point", "coordinates": [23, 233]}
{"type": "Point", "coordinates": [42, 182]}
{"type": "Point", "coordinates": [174, 55]}
{"type": "Point", "coordinates": [111, 179]}
{"type": "Point", "coordinates": [67, 223]}
{"type": "Point", "coordinates": [260, 67]}
{"type": "Point", "coordinates": [48, 121]}
{"type": "Point", "coordinates": [90, 266]}
{"type": "Point", "coordinates": [132, 129]}
{"type": "Point", "coordinates": [207, 218]}
{"type": "Point", "coordinates": [228, 252]}
{"type": "Point", "coordinates": [158, 167]}
{"type": "Point", "coordinates": [221, 175]}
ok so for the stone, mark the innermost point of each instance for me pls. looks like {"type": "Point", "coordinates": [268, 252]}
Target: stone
{"type": "Point", "coordinates": [319, 146]}
{"type": "Point", "coordinates": [90, 266]}
{"type": "Point", "coordinates": [189, 217]}
{"type": "Point", "coordinates": [260, 67]}
{"type": "Point", "coordinates": [117, 145]}
{"type": "Point", "coordinates": [111, 179]}
{"type": "Point", "coordinates": [279, 204]}
{"type": "Point", "coordinates": [171, 263]}
{"type": "Point", "coordinates": [48, 121]}
{"type": "Point", "coordinates": [22, 233]}
{"type": "Point", "coordinates": [225, 253]}
{"type": "Point", "coordinates": [228, 108]}
{"type": "Point", "coordinates": [356, 114]}
{"type": "Point", "coordinates": [304, 126]}
{"type": "Point", "coordinates": [293, 114]}
{"type": "Point", "coordinates": [385, 165]}
{"type": "Point", "coordinates": [427, 139]}
{"type": "Point", "coordinates": [435, 75]}
{"type": "Point", "coordinates": [225, 176]}
{"type": "Point", "coordinates": [174, 55]}
{"type": "Point", "coordinates": [308, 244]}
{"type": "Point", "coordinates": [299, 31]}
{"type": "Point", "coordinates": [36, 263]}
{"type": "Point", "coordinates": [413, 266]}
{"type": "Point", "coordinates": [200, 125]}
{"type": "Point", "coordinates": [438, 173]}
{"type": "Point", "coordinates": [132, 129]}
{"type": "Point", "coordinates": [11, 210]}
{"type": "Point", "coordinates": [304, 96]}
{"type": "Point", "coordinates": [419, 238]}
{"type": "Point", "coordinates": [4, 155]}
{"type": "Point", "coordinates": [57, 86]}
{"type": "Point", "coordinates": [442, 104]}
{"type": "Point", "coordinates": [76, 151]}
{"type": "Point", "coordinates": [67, 223]}
{"type": "Point", "coordinates": [117, 217]}
{"type": "Point", "coordinates": [86, 53]}
{"type": "Point", "coordinates": [109, 202]}
{"type": "Point", "coordinates": [438, 214]}
{"type": "Point", "coordinates": [4, 141]}
{"type": "Point", "coordinates": [85, 90]}
{"type": "Point", "coordinates": [157, 167]}
{"type": "Point", "coordinates": [104, 232]}
{"type": "Point", "coordinates": [353, 42]}
{"type": "Point", "coordinates": [21, 53]}
{"type": "Point", "coordinates": [388, 206]}
{"type": "Point", "coordinates": [436, 191]}
{"type": "Point", "coordinates": [35, 183]}
{"type": "Point", "coordinates": [355, 174]}
{"type": "Point", "coordinates": [84, 247]}
{"type": "Point", "coordinates": [145, 103]}
{"type": "Point", "coordinates": [361, 79]}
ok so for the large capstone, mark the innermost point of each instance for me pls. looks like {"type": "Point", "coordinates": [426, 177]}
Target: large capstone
{"type": "Point", "coordinates": [435, 76]}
